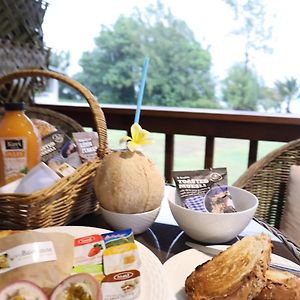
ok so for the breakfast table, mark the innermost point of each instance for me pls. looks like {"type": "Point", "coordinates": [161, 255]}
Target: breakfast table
{"type": "Point", "coordinates": [166, 239]}
{"type": "Point", "coordinates": [163, 261]}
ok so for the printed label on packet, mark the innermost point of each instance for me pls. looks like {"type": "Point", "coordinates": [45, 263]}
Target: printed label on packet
{"type": "Point", "coordinates": [58, 148]}
{"type": "Point", "coordinates": [88, 252]}
{"type": "Point", "coordinates": [26, 254]}
{"type": "Point", "coordinates": [204, 190]}
{"type": "Point", "coordinates": [87, 144]}
{"type": "Point", "coordinates": [121, 252]}
{"type": "Point", "coordinates": [123, 285]}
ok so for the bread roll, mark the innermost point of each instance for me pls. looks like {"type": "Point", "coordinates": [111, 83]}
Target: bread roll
{"type": "Point", "coordinates": [43, 127]}
{"type": "Point", "coordinates": [238, 273]}
{"type": "Point", "coordinates": [280, 286]}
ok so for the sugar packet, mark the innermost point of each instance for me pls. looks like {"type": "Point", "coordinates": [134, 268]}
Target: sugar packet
{"type": "Point", "coordinates": [204, 190]}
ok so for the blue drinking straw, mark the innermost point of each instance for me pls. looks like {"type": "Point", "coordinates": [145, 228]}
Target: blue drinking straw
{"type": "Point", "coordinates": [141, 91]}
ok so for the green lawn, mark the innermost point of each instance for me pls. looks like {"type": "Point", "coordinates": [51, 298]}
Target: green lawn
{"type": "Point", "coordinates": [189, 152]}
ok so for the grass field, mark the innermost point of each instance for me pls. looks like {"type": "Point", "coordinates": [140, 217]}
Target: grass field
{"type": "Point", "coordinates": [189, 152]}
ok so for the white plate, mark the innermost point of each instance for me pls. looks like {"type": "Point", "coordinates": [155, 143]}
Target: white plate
{"type": "Point", "coordinates": [153, 284]}
{"type": "Point", "coordinates": [181, 265]}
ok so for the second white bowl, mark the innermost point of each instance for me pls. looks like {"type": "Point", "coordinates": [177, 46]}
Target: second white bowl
{"type": "Point", "coordinates": [215, 227]}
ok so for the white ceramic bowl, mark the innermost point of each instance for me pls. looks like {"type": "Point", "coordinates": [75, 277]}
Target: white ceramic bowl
{"type": "Point", "coordinates": [215, 227]}
{"type": "Point", "coordinates": [138, 222]}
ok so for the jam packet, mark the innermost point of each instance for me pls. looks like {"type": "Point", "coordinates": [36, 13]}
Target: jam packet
{"type": "Point", "coordinates": [88, 252]}
{"type": "Point", "coordinates": [205, 190]}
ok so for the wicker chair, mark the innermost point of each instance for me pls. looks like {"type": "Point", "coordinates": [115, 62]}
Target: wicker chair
{"type": "Point", "coordinates": [267, 179]}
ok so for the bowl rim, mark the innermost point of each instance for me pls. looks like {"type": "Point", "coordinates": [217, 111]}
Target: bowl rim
{"type": "Point", "coordinates": [128, 214]}
{"type": "Point", "coordinates": [216, 214]}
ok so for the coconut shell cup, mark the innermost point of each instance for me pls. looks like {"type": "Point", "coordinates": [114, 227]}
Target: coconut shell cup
{"type": "Point", "coordinates": [129, 183]}
{"type": "Point", "coordinates": [129, 188]}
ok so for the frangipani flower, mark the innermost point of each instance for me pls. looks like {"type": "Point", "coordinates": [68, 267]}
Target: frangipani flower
{"type": "Point", "coordinates": [139, 138]}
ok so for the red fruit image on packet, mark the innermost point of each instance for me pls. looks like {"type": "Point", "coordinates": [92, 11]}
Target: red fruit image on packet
{"type": "Point", "coordinates": [95, 250]}
{"type": "Point", "coordinates": [88, 252]}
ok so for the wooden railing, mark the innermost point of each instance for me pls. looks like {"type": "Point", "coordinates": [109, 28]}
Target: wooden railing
{"type": "Point", "coordinates": [208, 123]}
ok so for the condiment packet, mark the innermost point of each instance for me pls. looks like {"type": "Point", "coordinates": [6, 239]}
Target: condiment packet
{"type": "Point", "coordinates": [123, 285]}
{"type": "Point", "coordinates": [120, 252]}
{"type": "Point", "coordinates": [204, 190]}
{"type": "Point", "coordinates": [87, 144]}
{"type": "Point", "coordinates": [88, 252]}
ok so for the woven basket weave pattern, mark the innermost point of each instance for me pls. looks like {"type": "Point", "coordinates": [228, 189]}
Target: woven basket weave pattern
{"type": "Point", "coordinates": [21, 39]}
{"type": "Point", "coordinates": [71, 197]}
{"type": "Point", "coordinates": [21, 21]}
{"type": "Point", "coordinates": [15, 55]}
{"type": "Point", "coordinates": [268, 178]}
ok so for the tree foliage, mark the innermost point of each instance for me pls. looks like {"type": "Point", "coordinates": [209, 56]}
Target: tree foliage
{"type": "Point", "coordinates": [179, 68]}
{"type": "Point", "coordinates": [241, 89]}
{"type": "Point", "coordinates": [288, 90]}
{"type": "Point", "coordinates": [253, 25]}
{"type": "Point", "coordinates": [60, 60]}
{"type": "Point", "coordinates": [270, 99]}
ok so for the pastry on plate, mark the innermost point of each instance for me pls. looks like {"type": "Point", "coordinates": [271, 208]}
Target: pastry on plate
{"type": "Point", "coordinates": [237, 273]}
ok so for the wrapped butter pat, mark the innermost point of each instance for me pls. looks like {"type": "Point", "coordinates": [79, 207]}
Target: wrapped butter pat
{"type": "Point", "coordinates": [120, 253]}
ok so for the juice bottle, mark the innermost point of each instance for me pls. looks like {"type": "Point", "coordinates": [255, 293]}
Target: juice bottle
{"type": "Point", "coordinates": [20, 143]}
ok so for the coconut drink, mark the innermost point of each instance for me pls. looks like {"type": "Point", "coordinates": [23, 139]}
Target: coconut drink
{"type": "Point", "coordinates": [129, 182]}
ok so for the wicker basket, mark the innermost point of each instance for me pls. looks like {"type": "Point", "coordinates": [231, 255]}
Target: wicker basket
{"type": "Point", "coordinates": [71, 197]}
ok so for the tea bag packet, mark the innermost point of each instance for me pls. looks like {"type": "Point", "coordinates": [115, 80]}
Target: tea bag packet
{"type": "Point", "coordinates": [120, 252]}
{"type": "Point", "coordinates": [123, 285]}
{"type": "Point", "coordinates": [204, 190]}
{"type": "Point", "coordinates": [43, 258]}
{"type": "Point", "coordinates": [88, 252]}
{"type": "Point", "coordinates": [87, 144]}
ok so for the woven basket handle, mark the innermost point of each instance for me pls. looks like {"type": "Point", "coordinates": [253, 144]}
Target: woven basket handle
{"type": "Point", "coordinates": [98, 114]}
